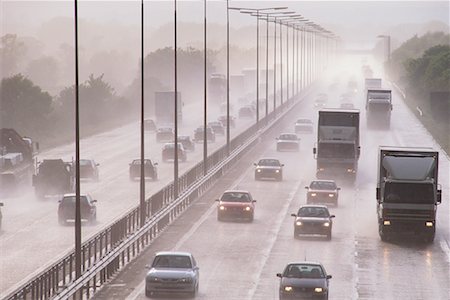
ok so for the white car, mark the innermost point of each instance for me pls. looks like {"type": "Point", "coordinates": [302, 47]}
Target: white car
{"type": "Point", "coordinates": [303, 126]}
{"type": "Point", "coordinates": [288, 142]}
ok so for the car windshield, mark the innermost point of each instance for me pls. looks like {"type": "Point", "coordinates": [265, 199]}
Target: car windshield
{"type": "Point", "coordinates": [165, 130]}
{"type": "Point", "coordinates": [322, 185]}
{"type": "Point", "coordinates": [269, 162]}
{"type": "Point", "coordinates": [172, 146]}
{"type": "Point", "coordinates": [304, 271]}
{"type": "Point", "coordinates": [71, 200]}
{"type": "Point", "coordinates": [409, 193]}
{"type": "Point", "coordinates": [138, 162]}
{"type": "Point", "coordinates": [303, 121]}
{"type": "Point", "coordinates": [235, 197]}
{"type": "Point", "coordinates": [172, 261]}
{"type": "Point", "coordinates": [85, 162]}
{"type": "Point", "coordinates": [318, 212]}
{"type": "Point", "coordinates": [288, 137]}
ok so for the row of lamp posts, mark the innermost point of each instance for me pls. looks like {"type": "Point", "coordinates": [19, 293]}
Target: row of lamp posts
{"type": "Point", "coordinates": [313, 37]}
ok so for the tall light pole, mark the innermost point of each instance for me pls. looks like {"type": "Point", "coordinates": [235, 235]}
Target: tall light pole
{"type": "Point", "coordinates": [77, 155]}
{"type": "Point", "coordinates": [205, 100]}
{"type": "Point", "coordinates": [228, 78]}
{"type": "Point", "coordinates": [175, 165]}
{"type": "Point", "coordinates": [142, 167]}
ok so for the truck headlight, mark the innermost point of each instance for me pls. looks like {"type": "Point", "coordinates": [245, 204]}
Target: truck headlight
{"type": "Point", "coordinates": [326, 224]}
{"type": "Point", "coordinates": [429, 224]}
{"type": "Point", "coordinates": [318, 290]}
{"type": "Point", "coordinates": [222, 207]}
{"type": "Point", "coordinates": [387, 223]}
{"type": "Point", "coordinates": [288, 288]}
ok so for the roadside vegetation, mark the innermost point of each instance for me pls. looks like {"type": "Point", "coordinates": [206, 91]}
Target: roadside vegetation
{"type": "Point", "coordinates": [421, 66]}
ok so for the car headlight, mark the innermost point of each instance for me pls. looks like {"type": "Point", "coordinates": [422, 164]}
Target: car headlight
{"type": "Point", "coordinates": [331, 195]}
{"type": "Point", "coordinates": [222, 207]}
{"type": "Point", "coordinates": [187, 279]}
{"type": "Point", "coordinates": [298, 223]}
{"type": "Point", "coordinates": [313, 194]}
{"type": "Point", "coordinates": [318, 290]}
{"type": "Point", "coordinates": [288, 289]}
{"type": "Point", "coordinates": [277, 171]}
{"type": "Point", "coordinates": [258, 170]}
{"type": "Point", "coordinates": [248, 208]}
{"type": "Point", "coordinates": [326, 224]}
{"type": "Point", "coordinates": [429, 224]}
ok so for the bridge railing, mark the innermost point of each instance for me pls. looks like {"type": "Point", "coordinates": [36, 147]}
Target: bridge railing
{"type": "Point", "coordinates": [117, 244]}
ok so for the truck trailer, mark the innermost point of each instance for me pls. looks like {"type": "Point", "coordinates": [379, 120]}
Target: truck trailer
{"type": "Point", "coordinates": [407, 192]}
{"type": "Point", "coordinates": [16, 159]}
{"type": "Point", "coordinates": [378, 108]}
{"type": "Point", "coordinates": [337, 150]}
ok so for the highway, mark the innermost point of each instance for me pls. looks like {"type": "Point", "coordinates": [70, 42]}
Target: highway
{"type": "Point", "coordinates": [30, 225]}
{"type": "Point", "coordinates": [239, 260]}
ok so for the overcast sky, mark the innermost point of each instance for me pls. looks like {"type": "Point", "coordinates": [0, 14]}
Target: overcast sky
{"type": "Point", "coordinates": [21, 15]}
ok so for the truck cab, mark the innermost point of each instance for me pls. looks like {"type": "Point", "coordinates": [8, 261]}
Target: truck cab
{"type": "Point", "coordinates": [378, 108]}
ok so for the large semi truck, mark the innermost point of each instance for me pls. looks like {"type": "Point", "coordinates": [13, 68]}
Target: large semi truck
{"type": "Point", "coordinates": [378, 108]}
{"type": "Point", "coordinates": [337, 150]}
{"type": "Point", "coordinates": [16, 159]}
{"type": "Point", "coordinates": [407, 192]}
{"type": "Point", "coordinates": [217, 88]}
{"type": "Point", "coordinates": [165, 107]}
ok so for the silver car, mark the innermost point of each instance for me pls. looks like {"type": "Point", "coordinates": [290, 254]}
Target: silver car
{"type": "Point", "coordinates": [172, 273]}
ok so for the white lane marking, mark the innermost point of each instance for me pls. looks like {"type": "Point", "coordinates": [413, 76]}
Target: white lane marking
{"type": "Point", "coordinates": [141, 287]}
{"type": "Point", "coordinates": [445, 247]}
{"type": "Point", "coordinates": [280, 218]}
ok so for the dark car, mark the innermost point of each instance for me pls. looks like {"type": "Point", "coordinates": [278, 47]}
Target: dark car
{"type": "Point", "coordinates": [269, 168]}
{"type": "Point", "coordinates": [149, 125]}
{"type": "Point", "coordinates": [246, 112]}
{"type": "Point", "coordinates": [304, 280]}
{"type": "Point", "coordinates": [89, 169]}
{"type": "Point", "coordinates": [66, 208]}
{"type": "Point", "coordinates": [236, 204]}
{"type": "Point", "coordinates": [165, 134]}
{"type": "Point", "coordinates": [187, 142]}
{"type": "Point", "coordinates": [303, 126]}
{"type": "Point", "coordinates": [150, 170]}
{"type": "Point", "coordinates": [217, 127]}
{"type": "Point", "coordinates": [313, 219]}
{"type": "Point", "coordinates": [288, 142]}
{"type": "Point", "coordinates": [322, 191]}
{"type": "Point", "coordinates": [1, 216]}
{"type": "Point", "coordinates": [223, 119]}
{"type": "Point", "coordinates": [172, 273]}
{"type": "Point", "coordinates": [168, 152]}
{"type": "Point", "coordinates": [210, 134]}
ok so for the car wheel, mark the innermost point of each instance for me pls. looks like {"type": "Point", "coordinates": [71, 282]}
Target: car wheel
{"type": "Point", "coordinates": [62, 221]}
{"type": "Point", "coordinates": [296, 233]}
{"type": "Point", "coordinates": [251, 218]}
{"type": "Point", "coordinates": [219, 218]}
{"type": "Point", "coordinates": [280, 178]}
{"type": "Point", "coordinates": [256, 177]}
{"type": "Point", "coordinates": [329, 236]}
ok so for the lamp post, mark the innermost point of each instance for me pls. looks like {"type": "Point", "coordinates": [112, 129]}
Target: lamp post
{"type": "Point", "coordinates": [175, 165]}
{"type": "Point", "coordinates": [205, 100]}
{"type": "Point", "coordinates": [77, 155]}
{"type": "Point", "coordinates": [142, 167]}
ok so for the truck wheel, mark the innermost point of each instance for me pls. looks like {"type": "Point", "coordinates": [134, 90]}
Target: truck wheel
{"type": "Point", "coordinates": [429, 238]}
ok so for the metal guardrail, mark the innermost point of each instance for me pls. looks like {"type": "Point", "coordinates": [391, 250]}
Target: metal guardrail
{"type": "Point", "coordinates": [116, 245]}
